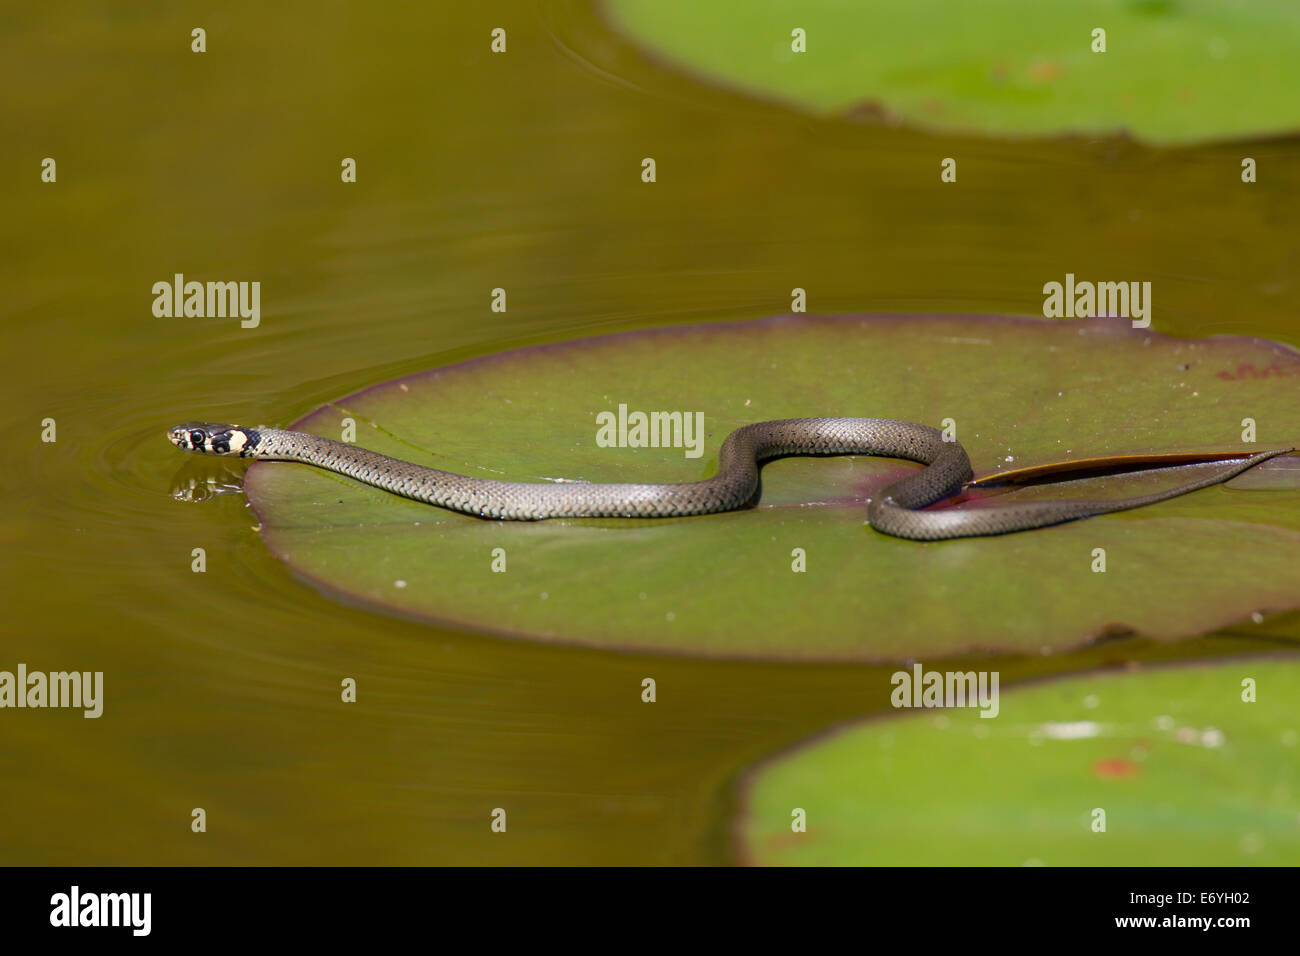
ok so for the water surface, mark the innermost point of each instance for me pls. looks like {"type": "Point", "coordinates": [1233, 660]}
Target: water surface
{"type": "Point", "coordinates": [476, 171]}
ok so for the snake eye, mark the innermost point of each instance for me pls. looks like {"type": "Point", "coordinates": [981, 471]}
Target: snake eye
{"type": "Point", "coordinates": [197, 438]}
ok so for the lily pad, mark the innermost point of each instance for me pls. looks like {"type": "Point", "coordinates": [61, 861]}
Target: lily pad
{"type": "Point", "coordinates": [1185, 770]}
{"type": "Point", "coordinates": [1019, 392]}
{"type": "Point", "coordinates": [1172, 71]}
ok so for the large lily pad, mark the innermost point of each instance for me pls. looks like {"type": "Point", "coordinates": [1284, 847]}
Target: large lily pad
{"type": "Point", "coordinates": [1020, 391]}
{"type": "Point", "coordinates": [1173, 70]}
{"type": "Point", "coordinates": [1186, 772]}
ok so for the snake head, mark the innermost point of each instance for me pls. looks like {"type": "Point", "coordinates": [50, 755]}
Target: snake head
{"type": "Point", "coordinates": [209, 439]}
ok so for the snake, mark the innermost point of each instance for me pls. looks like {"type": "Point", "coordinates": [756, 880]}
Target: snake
{"type": "Point", "coordinates": [896, 510]}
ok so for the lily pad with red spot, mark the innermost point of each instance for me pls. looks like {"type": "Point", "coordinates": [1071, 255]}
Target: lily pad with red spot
{"type": "Point", "coordinates": [802, 575]}
{"type": "Point", "coordinates": [1188, 766]}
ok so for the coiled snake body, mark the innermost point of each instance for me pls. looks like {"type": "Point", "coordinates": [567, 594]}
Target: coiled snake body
{"type": "Point", "coordinates": [893, 511]}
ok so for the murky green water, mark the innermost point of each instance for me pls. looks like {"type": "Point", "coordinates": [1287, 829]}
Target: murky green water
{"type": "Point", "coordinates": [475, 171]}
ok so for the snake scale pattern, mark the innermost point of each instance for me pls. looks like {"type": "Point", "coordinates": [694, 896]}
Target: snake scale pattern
{"type": "Point", "coordinates": [894, 511]}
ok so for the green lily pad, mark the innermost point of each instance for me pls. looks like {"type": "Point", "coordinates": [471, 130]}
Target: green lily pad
{"type": "Point", "coordinates": [1020, 391]}
{"type": "Point", "coordinates": [1173, 70]}
{"type": "Point", "coordinates": [1186, 772]}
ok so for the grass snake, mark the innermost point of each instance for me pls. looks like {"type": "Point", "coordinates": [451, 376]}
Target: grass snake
{"type": "Point", "coordinates": [894, 511]}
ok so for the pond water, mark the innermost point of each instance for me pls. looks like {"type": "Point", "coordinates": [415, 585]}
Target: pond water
{"type": "Point", "coordinates": [474, 171]}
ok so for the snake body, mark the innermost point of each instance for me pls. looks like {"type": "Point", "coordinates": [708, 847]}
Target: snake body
{"type": "Point", "coordinates": [893, 511]}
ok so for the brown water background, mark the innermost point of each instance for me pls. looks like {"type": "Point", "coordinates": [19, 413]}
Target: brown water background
{"type": "Point", "coordinates": [475, 171]}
